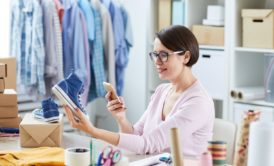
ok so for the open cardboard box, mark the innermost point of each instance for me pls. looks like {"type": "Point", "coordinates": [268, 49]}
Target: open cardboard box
{"type": "Point", "coordinates": [10, 80]}
{"type": "Point", "coordinates": [8, 98]}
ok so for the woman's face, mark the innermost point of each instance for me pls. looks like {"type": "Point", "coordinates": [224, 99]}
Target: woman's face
{"type": "Point", "coordinates": [173, 67]}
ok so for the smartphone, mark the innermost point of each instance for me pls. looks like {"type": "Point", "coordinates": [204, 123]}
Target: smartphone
{"type": "Point", "coordinates": [109, 88]}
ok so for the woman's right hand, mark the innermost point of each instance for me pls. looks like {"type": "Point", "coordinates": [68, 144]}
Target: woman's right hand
{"type": "Point", "coordinates": [116, 107]}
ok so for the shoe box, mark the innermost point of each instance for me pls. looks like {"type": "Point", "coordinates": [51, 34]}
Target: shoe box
{"type": "Point", "coordinates": [3, 74]}
{"type": "Point", "coordinates": [10, 79]}
{"type": "Point", "coordinates": [31, 135]}
{"type": "Point", "coordinates": [8, 97]}
{"type": "Point", "coordinates": [10, 122]}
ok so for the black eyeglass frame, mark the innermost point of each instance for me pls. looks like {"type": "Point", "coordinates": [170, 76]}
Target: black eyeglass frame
{"type": "Point", "coordinates": [163, 56]}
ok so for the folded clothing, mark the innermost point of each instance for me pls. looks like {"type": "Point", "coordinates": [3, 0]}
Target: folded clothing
{"type": "Point", "coordinates": [9, 130]}
{"type": "Point", "coordinates": [41, 156]}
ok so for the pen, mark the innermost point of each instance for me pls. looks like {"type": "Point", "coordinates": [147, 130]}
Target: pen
{"type": "Point", "coordinates": [90, 150]}
{"type": "Point", "coordinates": [154, 164]}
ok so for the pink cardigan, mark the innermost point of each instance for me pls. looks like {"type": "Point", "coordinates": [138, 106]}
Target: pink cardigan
{"type": "Point", "coordinates": [193, 114]}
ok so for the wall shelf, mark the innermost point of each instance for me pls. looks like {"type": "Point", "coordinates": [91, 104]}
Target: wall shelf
{"type": "Point", "coordinates": [256, 102]}
{"type": "Point", "coordinates": [208, 47]}
{"type": "Point", "coordinates": [256, 50]}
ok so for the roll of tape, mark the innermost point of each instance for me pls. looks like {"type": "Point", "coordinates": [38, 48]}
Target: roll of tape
{"type": "Point", "coordinates": [77, 156]}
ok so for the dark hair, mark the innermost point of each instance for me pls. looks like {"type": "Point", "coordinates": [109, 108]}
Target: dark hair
{"type": "Point", "coordinates": [180, 38]}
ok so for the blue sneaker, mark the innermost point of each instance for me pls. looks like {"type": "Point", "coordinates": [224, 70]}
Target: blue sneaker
{"type": "Point", "coordinates": [49, 111]}
{"type": "Point", "coordinates": [68, 91]}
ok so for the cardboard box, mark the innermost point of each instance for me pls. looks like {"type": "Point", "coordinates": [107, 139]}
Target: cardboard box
{"type": "Point", "coordinates": [10, 80]}
{"type": "Point", "coordinates": [9, 112]}
{"type": "Point", "coordinates": [8, 98]}
{"type": "Point", "coordinates": [10, 122]}
{"type": "Point", "coordinates": [3, 70]}
{"type": "Point", "coordinates": [258, 28]}
{"type": "Point", "coordinates": [209, 35]}
{"type": "Point", "coordinates": [2, 85]}
{"type": "Point", "coordinates": [164, 13]}
{"type": "Point", "coordinates": [36, 133]}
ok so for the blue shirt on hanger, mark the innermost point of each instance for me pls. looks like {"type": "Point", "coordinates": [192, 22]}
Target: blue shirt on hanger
{"type": "Point", "coordinates": [27, 45]}
{"type": "Point", "coordinates": [97, 60]}
{"type": "Point", "coordinates": [74, 41]}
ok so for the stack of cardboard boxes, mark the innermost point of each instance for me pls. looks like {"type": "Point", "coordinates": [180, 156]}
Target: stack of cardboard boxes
{"type": "Point", "coordinates": [212, 30]}
{"type": "Point", "coordinates": [9, 117]}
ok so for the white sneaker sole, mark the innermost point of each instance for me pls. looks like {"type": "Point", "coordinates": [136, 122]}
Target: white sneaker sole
{"type": "Point", "coordinates": [51, 119]}
{"type": "Point", "coordinates": [65, 100]}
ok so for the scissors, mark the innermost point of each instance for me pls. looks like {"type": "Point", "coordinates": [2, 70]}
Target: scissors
{"type": "Point", "coordinates": [109, 157]}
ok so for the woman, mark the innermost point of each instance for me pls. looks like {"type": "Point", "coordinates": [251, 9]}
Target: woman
{"type": "Point", "coordinates": [182, 103]}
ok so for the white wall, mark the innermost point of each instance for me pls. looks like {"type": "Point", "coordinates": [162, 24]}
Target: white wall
{"type": "Point", "coordinates": [135, 78]}
{"type": "Point", "coordinates": [4, 28]}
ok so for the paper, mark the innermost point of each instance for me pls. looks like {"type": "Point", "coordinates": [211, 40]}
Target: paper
{"type": "Point", "coordinates": [242, 142]}
{"type": "Point", "coordinates": [248, 93]}
{"type": "Point", "coordinates": [150, 160]}
{"type": "Point", "coordinates": [261, 144]}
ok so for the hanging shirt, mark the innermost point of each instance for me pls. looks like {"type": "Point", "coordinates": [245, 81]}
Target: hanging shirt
{"type": "Point", "coordinates": [27, 45]}
{"type": "Point", "coordinates": [121, 50]}
{"type": "Point", "coordinates": [193, 114]}
{"type": "Point", "coordinates": [75, 42]}
{"type": "Point", "coordinates": [90, 34]}
{"type": "Point", "coordinates": [89, 17]}
{"type": "Point", "coordinates": [108, 42]}
{"type": "Point", "coordinates": [51, 53]}
{"type": "Point", "coordinates": [58, 46]}
{"type": "Point", "coordinates": [128, 28]}
{"type": "Point", "coordinates": [60, 11]}
{"type": "Point", "coordinates": [97, 60]}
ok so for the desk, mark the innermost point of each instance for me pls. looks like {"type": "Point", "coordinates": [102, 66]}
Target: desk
{"type": "Point", "coordinates": [73, 140]}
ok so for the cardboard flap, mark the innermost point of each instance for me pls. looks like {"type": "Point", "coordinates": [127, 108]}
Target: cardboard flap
{"type": "Point", "coordinates": [39, 135]}
{"type": "Point", "coordinates": [256, 13]}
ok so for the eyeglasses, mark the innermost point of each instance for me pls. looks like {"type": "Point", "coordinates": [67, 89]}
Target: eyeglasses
{"type": "Point", "coordinates": [162, 55]}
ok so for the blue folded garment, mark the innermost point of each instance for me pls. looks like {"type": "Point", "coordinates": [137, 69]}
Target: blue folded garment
{"type": "Point", "coordinates": [9, 130]}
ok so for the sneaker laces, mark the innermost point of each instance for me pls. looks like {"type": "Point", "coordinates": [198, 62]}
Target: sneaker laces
{"type": "Point", "coordinates": [82, 90]}
{"type": "Point", "coordinates": [80, 101]}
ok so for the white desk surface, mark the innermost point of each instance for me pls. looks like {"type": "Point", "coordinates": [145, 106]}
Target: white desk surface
{"type": "Point", "coordinates": [73, 140]}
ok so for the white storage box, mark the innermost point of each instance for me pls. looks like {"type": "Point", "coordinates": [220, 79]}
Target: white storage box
{"type": "Point", "coordinates": [258, 27]}
{"type": "Point", "coordinates": [211, 71]}
{"type": "Point", "coordinates": [239, 109]}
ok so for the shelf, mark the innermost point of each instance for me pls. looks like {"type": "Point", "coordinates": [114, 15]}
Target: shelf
{"type": "Point", "coordinates": [256, 102]}
{"type": "Point", "coordinates": [209, 47]}
{"type": "Point", "coordinates": [29, 106]}
{"type": "Point", "coordinates": [258, 50]}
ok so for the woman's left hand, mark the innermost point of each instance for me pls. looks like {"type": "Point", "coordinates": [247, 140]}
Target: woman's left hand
{"type": "Point", "coordinates": [83, 123]}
